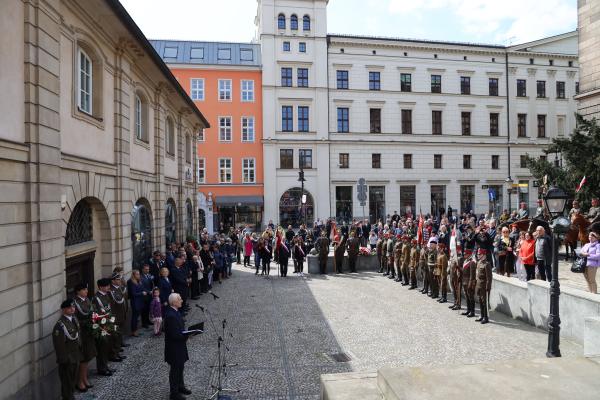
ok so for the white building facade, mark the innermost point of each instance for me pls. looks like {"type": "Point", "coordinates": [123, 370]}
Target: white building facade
{"type": "Point", "coordinates": [428, 124]}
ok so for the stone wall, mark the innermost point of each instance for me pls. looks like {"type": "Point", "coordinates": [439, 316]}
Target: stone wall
{"type": "Point", "coordinates": [589, 57]}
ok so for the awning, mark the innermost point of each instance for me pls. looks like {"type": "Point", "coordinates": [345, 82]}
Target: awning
{"type": "Point", "coordinates": [237, 200]}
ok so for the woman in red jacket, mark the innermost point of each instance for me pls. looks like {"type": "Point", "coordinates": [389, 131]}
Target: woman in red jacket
{"type": "Point", "coordinates": [526, 254]}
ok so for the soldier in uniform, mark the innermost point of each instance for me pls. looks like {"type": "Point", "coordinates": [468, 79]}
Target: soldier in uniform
{"type": "Point", "coordinates": [67, 345]}
{"type": "Point", "coordinates": [398, 258]}
{"type": "Point", "coordinates": [441, 272]}
{"type": "Point", "coordinates": [390, 261]}
{"type": "Point", "coordinates": [405, 259]}
{"type": "Point", "coordinates": [339, 249]}
{"type": "Point", "coordinates": [84, 310]}
{"type": "Point", "coordinates": [484, 278]}
{"type": "Point", "coordinates": [119, 311]}
{"type": "Point", "coordinates": [431, 267]}
{"type": "Point", "coordinates": [456, 269]}
{"type": "Point", "coordinates": [414, 261]}
{"type": "Point", "coordinates": [593, 214]}
{"type": "Point", "coordinates": [353, 249]}
{"type": "Point", "coordinates": [384, 256]}
{"type": "Point", "coordinates": [102, 304]}
{"type": "Point", "coordinates": [423, 256]}
{"type": "Point", "coordinates": [379, 249]}
{"type": "Point", "coordinates": [322, 246]}
{"type": "Point", "coordinates": [469, 280]}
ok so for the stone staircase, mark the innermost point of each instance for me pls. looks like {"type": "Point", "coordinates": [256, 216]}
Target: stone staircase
{"type": "Point", "coordinates": [558, 378]}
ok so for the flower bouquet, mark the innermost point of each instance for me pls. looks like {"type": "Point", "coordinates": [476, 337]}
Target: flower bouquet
{"type": "Point", "coordinates": [103, 325]}
{"type": "Point", "coordinates": [365, 251]}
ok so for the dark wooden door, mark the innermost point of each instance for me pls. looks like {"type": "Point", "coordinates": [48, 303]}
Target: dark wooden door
{"type": "Point", "coordinates": [80, 269]}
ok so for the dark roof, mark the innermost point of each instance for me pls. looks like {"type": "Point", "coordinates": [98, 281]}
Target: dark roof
{"type": "Point", "coordinates": [208, 53]}
{"type": "Point", "coordinates": [126, 19]}
{"type": "Point", "coordinates": [386, 38]}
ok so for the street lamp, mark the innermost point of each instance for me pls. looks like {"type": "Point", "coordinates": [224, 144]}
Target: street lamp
{"type": "Point", "coordinates": [555, 201]}
{"type": "Point", "coordinates": [509, 182]}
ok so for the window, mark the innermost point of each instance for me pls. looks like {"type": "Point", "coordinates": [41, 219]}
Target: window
{"type": "Point", "coordinates": [343, 203]}
{"type": "Point", "coordinates": [465, 85]}
{"type": "Point", "coordinates": [287, 119]}
{"type": "Point", "coordinates": [570, 63]}
{"type": "Point", "coordinates": [305, 158]}
{"type": "Point", "coordinates": [294, 22]}
{"type": "Point", "coordinates": [286, 77]}
{"type": "Point", "coordinates": [465, 118]}
{"type": "Point", "coordinates": [541, 89]}
{"type": "Point", "coordinates": [248, 170]}
{"type": "Point", "coordinates": [374, 81]}
{"type": "Point", "coordinates": [576, 87]}
{"type": "Point", "coordinates": [551, 62]}
{"type": "Point", "coordinates": [224, 170]}
{"type": "Point", "coordinates": [376, 160]}
{"type": "Point", "coordinates": [521, 88]}
{"type": "Point", "coordinates": [201, 162]}
{"type": "Point", "coordinates": [438, 199]}
{"type": "Point", "coordinates": [84, 100]}
{"type": "Point", "coordinates": [281, 21]}
{"type": "Point", "coordinates": [302, 47]}
{"type": "Point", "coordinates": [344, 160]}
{"type": "Point", "coordinates": [302, 77]}
{"type": "Point", "coordinates": [406, 121]}
{"type": "Point", "coordinates": [495, 162]}
{"type": "Point", "coordinates": [170, 52]}
{"type": "Point", "coordinates": [467, 161]}
{"type": "Point", "coordinates": [201, 135]}
{"type": "Point", "coordinates": [303, 119]}
{"type": "Point", "coordinates": [375, 120]}
{"type": "Point", "coordinates": [436, 84]}
{"type": "Point", "coordinates": [188, 149]}
{"type": "Point", "coordinates": [376, 203]}
{"type": "Point", "coordinates": [408, 200]}
{"type": "Point", "coordinates": [493, 84]}
{"type": "Point", "coordinates": [197, 89]}
{"type": "Point", "coordinates": [436, 122]}
{"type": "Point", "coordinates": [141, 118]}
{"type": "Point", "coordinates": [170, 136]}
{"type": "Point", "coordinates": [560, 90]}
{"type": "Point", "coordinates": [437, 161]}
{"type": "Point", "coordinates": [306, 23]}
{"type": "Point", "coordinates": [286, 46]}
{"type": "Point", "coordinates": [343, 120]}
{"type": "Point", "coordinates": [522, 125]}
{"type": "Point", "coordinates": [405, 82]}
{"type": "Point", "coordinates": [224, 54]}
{"type": "Point", "coordinates": [224, 89]}
{"type": "Point", "coordinates": [523, 161]}
{"type": "Point", "coordinates": [286, 159]}
{"type": "Point", "coordinates": [560, 125]}
{"type": "Point", "coordinates": [467, 197]}
{"type": "Point", "coordinates": [247, 129]}
{"type": "Point", "coordinates": [407, 161]}
{"type": "Point", "coordinates": [494, 121]}
{"type": "Point", "coordinates": [197, 53]}
{"type": "Point", "coordinates": [541, 126]}
{"type": "Point", "coordinates": [247, 91]}
{"type": "Point", "coordinates": [531, 61]}
{"type": "Point", "coordinates": [342, 79]}
{"type": "Point", "coordinates": [224, 129]}
{"type": "Point", "coordinates": [246, 54]}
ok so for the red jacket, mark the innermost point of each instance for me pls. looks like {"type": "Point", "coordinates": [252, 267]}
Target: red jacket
{"type": "Point", "coordinates": [526, 253]}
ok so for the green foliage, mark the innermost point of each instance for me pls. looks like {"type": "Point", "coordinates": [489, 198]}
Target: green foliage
{"type": "Point", "coordinates": [581, 157]}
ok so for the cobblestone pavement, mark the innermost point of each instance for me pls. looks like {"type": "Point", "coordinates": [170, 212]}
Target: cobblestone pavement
{"type": "Point", "coordinates": [285, 332]}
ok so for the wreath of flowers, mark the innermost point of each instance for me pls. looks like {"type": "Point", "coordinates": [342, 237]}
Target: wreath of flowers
{"type": "Point", "coordinates": [103, 325]}
{"type": "Point", "coordinates": [365, 251]}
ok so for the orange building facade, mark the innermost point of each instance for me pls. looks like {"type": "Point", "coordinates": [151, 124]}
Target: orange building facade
{"type": "Point", "coordinates": [225, 82]}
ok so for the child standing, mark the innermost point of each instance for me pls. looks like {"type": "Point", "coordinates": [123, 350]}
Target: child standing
{"type": "Point", "coordinates": [156, 311]}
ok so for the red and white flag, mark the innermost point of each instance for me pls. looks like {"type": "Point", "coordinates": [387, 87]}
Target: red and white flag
{"type": "Point", "coordinates": [580, 185]}
{"type": "Point", "coordinates": [333, 231]}
{"type": "Point", "coordinates": [420, 230]}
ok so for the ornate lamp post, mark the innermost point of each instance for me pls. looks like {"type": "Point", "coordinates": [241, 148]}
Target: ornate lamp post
{"type": "Point", "coordinates": [555, 201]}
{"type": "Point", "coordinates": [509, 182]}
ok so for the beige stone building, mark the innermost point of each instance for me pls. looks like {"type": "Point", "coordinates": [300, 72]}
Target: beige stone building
{"type": "Point", "coordinates": [96, 156]}
{"type": "Point", "coordinates": [589, 58]}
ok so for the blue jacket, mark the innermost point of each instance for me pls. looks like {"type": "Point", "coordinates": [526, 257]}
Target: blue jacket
{"type": "Point", "coordinates": [136, 295]}
{"type": "Point", "coordinates": [175, 341]}
{"type": "Point", "coordinates": [179, 279]}
{"type": "Point", "coordinates": [164, 284]}
{"type": "Point", "coordinates": [219, 259]}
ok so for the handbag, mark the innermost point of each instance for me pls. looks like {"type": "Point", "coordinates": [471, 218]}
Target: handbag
{"type": "Point", "coordinates": [579, 265]}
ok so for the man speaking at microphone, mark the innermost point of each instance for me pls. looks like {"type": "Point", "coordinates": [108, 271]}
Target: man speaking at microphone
{"type": "Point", "coordinates": [176, 353]}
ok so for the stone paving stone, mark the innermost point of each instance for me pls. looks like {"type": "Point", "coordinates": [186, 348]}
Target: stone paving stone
{"type": "Point", "coordinates": [284, 331]}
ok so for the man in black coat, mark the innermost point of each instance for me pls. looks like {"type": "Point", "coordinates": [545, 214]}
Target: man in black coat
{"type": "Point", "coordinates": [179, 280]}
{"type": "Point", "coordinates": [176, 353]}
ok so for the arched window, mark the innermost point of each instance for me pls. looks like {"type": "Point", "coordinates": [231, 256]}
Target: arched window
{"type": "Point", "coordinates": [79, 228]}
{"type": "Point", "coordinates": [169, 136]}
{"type": "Point", "coordinates": [188, 149]}
{"type": "Point", "coordinates": [294, 22]}
{"type": "Point", "coordinates": [141, 117]}
{"type": "Point", "coordinates": [306, 23]}
{"type": "Point", "coordinates": [292, 211]}
{"type": "Point", "coordinates": [84, 97]}
{"type": "Point", "coordinates": [88, 82]}
{"type": "Point", "coordinates": [281, 21]}
{"type": "Point", "coordinates": [141, 235]}
{"type": "Point", "coordinates": [189, 218]}
{"type": "Point", "coordinates": [170, 223]}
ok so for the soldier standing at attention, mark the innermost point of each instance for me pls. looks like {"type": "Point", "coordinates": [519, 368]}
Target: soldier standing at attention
{"type": "Point", "coordinates": [431, 267]}
{"type": "Point", "coordinates": [390, 253]}
{"type": "Point", "coordinates": [398, 258]}
{"type": "Point", "coordinates": [67, 345]}
{"type": "Point", "coordinates": [594, 212]}
{"type": "Point", "coordinates": [353, 249]}
{"type": "Point", "coordinates": [379, 247]}
{"type": "Point", "coordinates": [119, 310]}
{"type": "Point", "coordinates": [414, 261]}
{"type": "Point", "coordinates": [456, 269]}
{"type": "Point", "coordinates": [322, 246]}
{"type": "Point", "coordinates": [384, 258]}
{"type": "Point", "coordinates": [84, 310]}
{"type": "Point", "coordinates": [338, 254]}
{"type": "Point", "coordinates": [405, 259]}
{"type": "Point", "coordinates": [423, 257]}
{"type": "Point", "coordinates": [469, 280]}
{"type": "Point", "coordinates": [484, 278]}
{"type": "Point", "coordinates": [442, 271]}
{"type": "Point", "coordinates": [102, 304]}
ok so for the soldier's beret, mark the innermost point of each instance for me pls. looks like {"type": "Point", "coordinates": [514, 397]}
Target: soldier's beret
{"type": "Point", "coordinates": [441, 244]}
{"type": "Point", "coordinates": [433, 242]}
{"type": "Point", "coordinates": [103, 282]}
{"type": "Point", "coordinates": [398, 236]}
{"type": "Point", "coordinates": [115, 276]}
{"type": "Point", "coordinates": [482, 251]}
{"type": "Point", "coordinates": [414, 241]}
{"type": "Point", "coordinates": [67, 303]}
{"type": "Point", "coordinates": [81, 286]}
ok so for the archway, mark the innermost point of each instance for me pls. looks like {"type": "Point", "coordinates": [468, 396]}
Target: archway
{"type": "Point", "coordinates": [189, 219]}
{"type": "Point", "coordinates": [291, 210]}
{"type": "Point", "coordinates": [170, 223]}
{"type": "Point", "coordinates": [141, 233]}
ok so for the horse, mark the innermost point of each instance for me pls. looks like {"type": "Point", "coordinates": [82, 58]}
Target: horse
{"type": "Point", "coordinates": [527, 225]}
{"type": "Point", "coordinates": [577, 232]}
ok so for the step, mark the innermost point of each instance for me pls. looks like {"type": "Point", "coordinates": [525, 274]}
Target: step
{"type": "Point", "coordinates": [350, 386]}
{"type": "Point", "coordinates": [548, 378]}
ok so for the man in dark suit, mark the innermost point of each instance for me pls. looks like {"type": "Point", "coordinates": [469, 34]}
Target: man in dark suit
{"type": "Point", "coordinates": [179, 280]}
{"type": "Point", "coordinates": [148, 280]}
{"type": "Point", "coordinates": [176, 353]}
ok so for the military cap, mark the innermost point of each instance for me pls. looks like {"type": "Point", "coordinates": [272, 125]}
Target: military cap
{"type": "Point", "coordinates": [103, 282]}
{"type": "Point", "coordinates": [115, 276]}
{"type": "Point", "coordinates": [81, 286]}
{"type": "Point", "coordinates": [67, 303]}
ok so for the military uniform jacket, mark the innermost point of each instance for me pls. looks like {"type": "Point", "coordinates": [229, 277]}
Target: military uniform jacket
{"type": "Point", "coordinates": [340, 249]}
{"type": "Point", "coordinates": [378, 247]}
{"type": "Point", "coordinates": [414, 257]}
{"type": "Point", "coordinates": [441, 265]}
{"type": "Point", "coordinates": [84, 311]}
{"type": "Point", "coordinates": [322, 246]}
{"type": "Point", "coordinates": [398, 250]}
{"type": "Point", "coordinates": [353, 246]}
{"type": "Point", "coordinates": [456, 266]}
{"type": "Point", "coordinates": [469, 276]}
{"type": "Point", "coordinates": [119, 305]}
{"type": "Point", "coordinates": [102, 303]}
{"type": "Point", "coordinates": [423, 258]}
{"type": "Point", "coordinates": [406, 255]}
{"type": "Point", "coordinates": [484, 277]}
{"type": "Point", "coordinates": [432, 258]}
{"type": "Point", "coordinates": [390, 249]}
{"type": "Point", "coordinates": [593, 214]}
{"type": "Point", "coordinates": [384, 248]}
{"type": "Point", "coordinates": [66, 340]}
